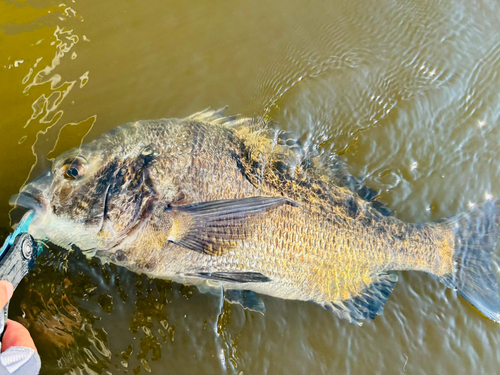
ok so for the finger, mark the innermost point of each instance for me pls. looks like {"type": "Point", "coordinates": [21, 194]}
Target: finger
{"type": "Point", "coordinates": [17, 335]}
{"type": "Point", "coordinates": [6, 291]}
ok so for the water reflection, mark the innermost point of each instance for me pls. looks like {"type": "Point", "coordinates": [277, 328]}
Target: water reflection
{"type": "Point", "coordinates": [74, 307]}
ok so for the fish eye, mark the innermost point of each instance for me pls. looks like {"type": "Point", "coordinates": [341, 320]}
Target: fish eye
{"type": "Point", "coordinates": [74, 168]}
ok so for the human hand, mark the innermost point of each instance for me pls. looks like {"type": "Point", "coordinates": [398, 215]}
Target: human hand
{"type": "Point", "coordinates": [15, 333]}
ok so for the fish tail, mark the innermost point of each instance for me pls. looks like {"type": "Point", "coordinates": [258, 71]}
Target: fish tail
{"type": "Point", "coordinates": [476, 236]}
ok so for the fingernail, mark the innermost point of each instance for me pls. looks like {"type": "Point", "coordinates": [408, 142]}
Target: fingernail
{"type": "Point", "coordinates": [9, 288]}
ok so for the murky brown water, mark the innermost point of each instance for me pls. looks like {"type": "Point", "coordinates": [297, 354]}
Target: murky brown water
{"type": "Point", "coordinates": [406, 92]}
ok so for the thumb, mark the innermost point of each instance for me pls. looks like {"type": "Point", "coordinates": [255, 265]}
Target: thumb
{"type": "Point", "coordinates": [6, 291]}
{"type": "Point", "coordinates": [17, 335]}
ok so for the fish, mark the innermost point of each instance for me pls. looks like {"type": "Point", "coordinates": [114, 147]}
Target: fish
{"type": "Point", "coordinates": [235, 203]}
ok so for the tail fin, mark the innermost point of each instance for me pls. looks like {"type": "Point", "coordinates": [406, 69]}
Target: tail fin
{"type": "Point", "coordinates": [476, 235]}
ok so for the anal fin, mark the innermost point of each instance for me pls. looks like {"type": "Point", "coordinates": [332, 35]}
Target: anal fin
{"type": "Point", "coordinates": [246, 298]}
{"type": "Point", "coordinates": [369, 303]}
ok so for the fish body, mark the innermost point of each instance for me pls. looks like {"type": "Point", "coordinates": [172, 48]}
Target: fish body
{"type": "Point", "coordinates": [234, 202]}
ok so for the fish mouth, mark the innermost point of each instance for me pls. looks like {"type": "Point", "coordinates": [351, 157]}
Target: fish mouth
{"type": "Point", "coordinates": [29, 201]}
{"type": "Point", "coordinates": [32, 195]}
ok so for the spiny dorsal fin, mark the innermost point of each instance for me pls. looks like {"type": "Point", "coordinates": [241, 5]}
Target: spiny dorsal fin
{"type": "Point", "coordinates": [216, 227]}
{"type": "Point", "coordinates": [369, 303]}
{"type": "Point", "coordinates": [217, 116]}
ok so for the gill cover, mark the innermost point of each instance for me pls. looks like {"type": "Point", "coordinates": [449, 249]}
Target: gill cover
{"type": "Point", "coordinates": [130, 196]}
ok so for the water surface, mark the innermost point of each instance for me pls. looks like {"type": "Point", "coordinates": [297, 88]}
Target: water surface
{"type": "Point", "coordinates": [406, 92]}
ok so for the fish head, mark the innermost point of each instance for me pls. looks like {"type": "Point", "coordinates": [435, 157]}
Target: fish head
{"type": "Point", "coordinates": [93, 196]}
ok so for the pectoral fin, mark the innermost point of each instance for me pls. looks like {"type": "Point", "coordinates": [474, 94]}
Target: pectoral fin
{"type": "Point", "coordinates": [217, 226]}
{"type": "Point", "coordinates": [369, 303]}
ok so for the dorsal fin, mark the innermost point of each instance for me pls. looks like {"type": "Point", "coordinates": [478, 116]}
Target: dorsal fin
{"type": "Point", "coordinates": [367, 304]}
{"type": "Point", "coordinates": [290, 156]}
{"type": "Point", "coordinates": [336, 171]}
{"type": "Point", "coordinates": [288, 153]}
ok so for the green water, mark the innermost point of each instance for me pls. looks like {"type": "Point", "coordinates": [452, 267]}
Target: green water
{"type": "Point", "coordinates": [406, 92]}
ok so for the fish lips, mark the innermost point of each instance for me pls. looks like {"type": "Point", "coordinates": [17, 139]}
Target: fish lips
{"type": "Point", "coordinates": [26, 200]}
{"type": "Point", "coordinates": [31, 196]}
